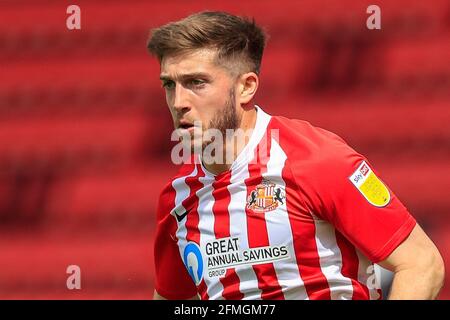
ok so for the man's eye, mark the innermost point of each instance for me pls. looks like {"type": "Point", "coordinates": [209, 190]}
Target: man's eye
{"type": "Point", "coordinates": [168, 84]}
{"type": "Point", "coordinates": [197, 82]}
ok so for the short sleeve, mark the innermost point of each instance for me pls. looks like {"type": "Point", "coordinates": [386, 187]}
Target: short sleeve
{"type": "Point", "coordinates": [343, 188]}
{"type": "Point", "coordinates": [172, 280]}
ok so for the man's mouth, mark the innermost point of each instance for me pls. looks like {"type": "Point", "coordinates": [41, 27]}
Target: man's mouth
{"type": "Point", "coordinates": [186, 125]}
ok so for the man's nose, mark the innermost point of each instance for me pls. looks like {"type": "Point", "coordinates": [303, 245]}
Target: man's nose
{"type": "Point", "coordinates": [180, 99]}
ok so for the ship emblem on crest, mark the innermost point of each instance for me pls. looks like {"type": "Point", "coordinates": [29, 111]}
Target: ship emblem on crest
{"type": "Point", "coordinates": [265, 197]}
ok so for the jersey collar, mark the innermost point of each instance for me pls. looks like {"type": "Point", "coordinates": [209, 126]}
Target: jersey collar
{"type": "Point", "coordinates": [247, 153]}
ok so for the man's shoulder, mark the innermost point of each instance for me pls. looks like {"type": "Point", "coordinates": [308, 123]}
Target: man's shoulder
{"type": "Point", "coordinates": [314, 152]}
{"type": "Point", "coordinates": [306, 140]}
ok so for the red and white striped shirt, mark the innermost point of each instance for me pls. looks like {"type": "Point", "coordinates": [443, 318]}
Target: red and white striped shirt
{"type": "Point", "coordinates": [300, 215]}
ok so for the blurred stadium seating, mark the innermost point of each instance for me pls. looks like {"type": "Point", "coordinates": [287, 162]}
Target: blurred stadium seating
{"type": "Point", "coordinates": [85, 134]}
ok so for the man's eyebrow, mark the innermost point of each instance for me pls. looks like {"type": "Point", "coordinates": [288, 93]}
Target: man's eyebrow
{"type": "Point", "coordinates": [186, 76]}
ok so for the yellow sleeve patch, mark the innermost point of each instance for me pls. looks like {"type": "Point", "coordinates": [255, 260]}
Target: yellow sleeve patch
{"type": "Point", "coordinates": [370, 186]}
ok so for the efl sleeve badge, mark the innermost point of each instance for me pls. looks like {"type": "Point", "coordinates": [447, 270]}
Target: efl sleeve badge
{"type": "Point", "coordinates": [371, 187]}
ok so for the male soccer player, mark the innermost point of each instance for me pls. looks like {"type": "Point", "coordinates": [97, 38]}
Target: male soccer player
{"type": "Point", "coordinates": [295, 214]}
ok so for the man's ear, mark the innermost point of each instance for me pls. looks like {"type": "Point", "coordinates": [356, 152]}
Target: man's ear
{"type": "Point", "coordinates": [247, 86]}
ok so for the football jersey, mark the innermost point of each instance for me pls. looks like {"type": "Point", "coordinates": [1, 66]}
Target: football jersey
{"type": "Point", "coordinates": [299, 215]}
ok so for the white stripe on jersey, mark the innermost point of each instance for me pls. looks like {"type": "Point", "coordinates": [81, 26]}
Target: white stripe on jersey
{"type": "Point", "coordinates": [330, 258]}
{"type": "Point", "coordinates": [279, 230]}
{"type": "Point", "coordinates": [206, 229]}
{"type": "Point", "coordinates": [182, 192]}
{"type": "Point", "coordinates": [248, 284]}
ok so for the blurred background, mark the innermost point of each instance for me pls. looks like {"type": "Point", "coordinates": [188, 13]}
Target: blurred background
{"type": "Point", "coordinates": [85, 131]}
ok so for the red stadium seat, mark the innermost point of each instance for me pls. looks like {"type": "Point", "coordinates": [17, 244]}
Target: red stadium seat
{"type": "Point", "coordinates": [120, 266]}
{"type": "Point", "coordinates": [118, 138]}
{"type": "Point", "coordinates": [109, 71]}
{"type": "Point", "coordinates": [23, 16]}
{"type": "Point", "coordinates": [284, 69]}
{"type": "Point", "coordinates": [128, 197]}
{"type": "Point", "coordinates": [416, 63]}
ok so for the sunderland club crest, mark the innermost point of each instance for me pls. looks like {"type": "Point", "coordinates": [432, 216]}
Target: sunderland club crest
{"type": "Point", "coordinates": [265, 197]}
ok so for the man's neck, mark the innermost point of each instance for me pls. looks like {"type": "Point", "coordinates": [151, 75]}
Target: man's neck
{"type": "Point", "coordinates": [248, 122]}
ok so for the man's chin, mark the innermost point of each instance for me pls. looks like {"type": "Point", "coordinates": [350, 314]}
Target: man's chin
{"type": "Point", "coordinates": [194, 147]}
{"type": "Point", "coordinates": [197, 147]}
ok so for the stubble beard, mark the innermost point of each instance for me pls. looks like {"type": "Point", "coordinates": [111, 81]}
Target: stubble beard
{"type": "Point", "coordinates": [224, 119]}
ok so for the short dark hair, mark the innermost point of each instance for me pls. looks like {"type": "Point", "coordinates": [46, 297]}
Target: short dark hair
{"type": "Point", "coordinates": [236, 39]}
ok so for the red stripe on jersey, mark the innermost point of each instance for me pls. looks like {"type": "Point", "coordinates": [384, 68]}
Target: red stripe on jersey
{"type": "Point", "coordinates": [203, 290]}
{"type": "Point", "coordinates": [192, 218]}
{"type": "Point", "coordinates": [380, 294]}
{"type": "Point", "coordinates": [173, 225]}
{"type": "Point", "coordinates": [230, 284]}
{"type": "Point", "coordinates": [256, 226]}
{"type": "Point", "coordinates": [190, 204]}
{"type": "Point", "coordinates": [350, 267]}
{"type": "Point", "coordinates": [222, 200]}
{"type": "Point", "coordinates": [220, 208]}
{"type": "Point", "coordinates": [304, 235]}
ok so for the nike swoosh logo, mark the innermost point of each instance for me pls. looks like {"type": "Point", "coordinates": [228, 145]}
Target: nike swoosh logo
{"type": "Point", "coordinates": [181, 216]}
